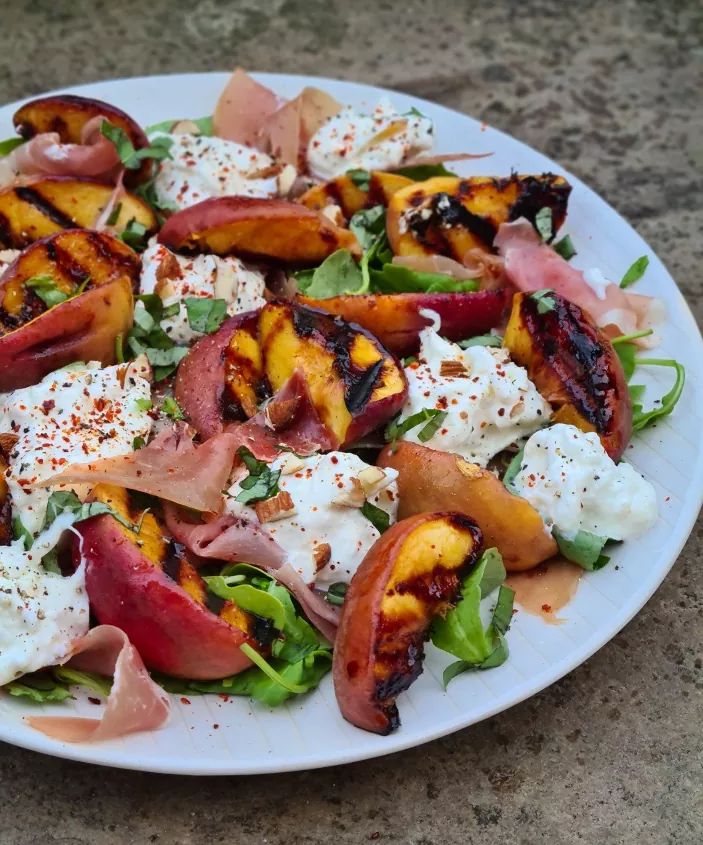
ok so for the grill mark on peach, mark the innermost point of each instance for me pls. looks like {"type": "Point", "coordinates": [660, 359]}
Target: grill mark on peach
{"type": "Point", "coordinates": [332, 190]}
{"type": "Point", "coordinates": [535, 194]}
{"type": "Point", "coordinates": [6, 236]}
{"type": "Point", "coordinates": [44, 206]}
{"type": "Point", "coordinates": [375, 195]}
{"type": "Point", "coordinates": [67, 264]}
{"type": "Point", "coordinates": [571, 348]}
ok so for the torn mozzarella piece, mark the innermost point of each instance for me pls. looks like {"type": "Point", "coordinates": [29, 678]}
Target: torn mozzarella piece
{"type": "Point", "coordinates": [381, 140]}
{"type": "Point", "coordinates": [201, 167]}
{"type": "Point", "coordinates": [568, 477]}
{"type": "Point", "coordinates": [175, 278]}
{"type": "Point", "coordinates": [72, 416]}
{"type": "Point", "coordinates": [325, 534]}
{"type": "Point", "coordinates": [490, 402]}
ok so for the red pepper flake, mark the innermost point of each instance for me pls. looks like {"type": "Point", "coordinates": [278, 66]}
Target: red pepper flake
{"type": "Point", "coordinates": [48, 405]}
{"type": "Point", "coordinates": [223, 696]}
{"type": "Point", "coordinates": [547, 608]}
{"type": "Point", "coordinates": [185, 700]}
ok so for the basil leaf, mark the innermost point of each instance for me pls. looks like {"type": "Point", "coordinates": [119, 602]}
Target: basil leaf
{"type": "Point", "coordinates": [512, 470]}
{"type": "Point", "coordinates": [135, 235]}
{"type": "Point", "coordinates": [396, 429]}
{"type": "Point", "coordinates": [144, 404]}
{"type": "Point", "coordinates": [376, 516]}
{"type": "Point", "coordinates": [50, 562]}
{"type": "Point", "coordinates": [461, 631]}
{"type": "Point", "coordinates": [172, 409]}
{"type": "Point", "coordinates": [138, 443]}
{"type": "Point", "coordinates": [584, 548]}
{"type": "Point", "coordinates": [428, 431]}
{"type": "Point", "coordinates": [20, 532]}
{"type": "Point", "coordinates": [544, 299]}
{"type": "Point", "coordinates": [361, 178]}
{"type": "Point", "coordinates": [481, 340]}
{"type": "Point", "coordinates": [205, 315]}
{"type": "Point", "coordinates": [165, 361]}
{"type": "Point", "coordinates": [46, 288]}
{"type": "Point", "coordinates": [544, 223]}
{"type": "Point", "coordinates": [336, 593]}
{"type": "Point", "coordinates": [565, 248]}
{"type": "Point", "coordinates": [368, 224]}
{"type": "Point", "coordinates": [6, 147]}
{"type": "Point", "coordinates": [61, 501]}
{"type": "Point", "coordinates": [114, 215]}
{"type": "Point", "coordinates": [641, 418]}
{"type": "Point", "coordinates": [130, 157]}
{"type": "Point", "coordinates": [421, 172]}
{"type": "Point", "coordinates": [249, 598]}
{"type": "Point", "coordinates": [635, 272]}
{"type": "Point", "coordinates": [338, 274]}
{"type": "Point", "coordinates": [262, 481]}
{"type": "Point", "coordinates": [395, 278]}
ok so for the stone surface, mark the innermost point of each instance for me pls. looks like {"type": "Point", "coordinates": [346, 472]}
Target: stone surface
{"type": "Point", "coordinates": [613, 90]}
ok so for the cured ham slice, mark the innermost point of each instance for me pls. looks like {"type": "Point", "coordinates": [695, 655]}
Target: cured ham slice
{"type": "Point", "coordinates": [531, 265]}
{"type": "Point", "coordinates": [135, 702]}
{"type": "Point", "coordinates": [235, 539]}
{"type": "Point", "coordinates": [243, 107]}
{"type": "Point", "coordinates": [286, 133]}
{"type": "Point", "coordinates": [171, 467]}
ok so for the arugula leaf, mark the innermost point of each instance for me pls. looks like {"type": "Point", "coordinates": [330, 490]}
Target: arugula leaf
{"type": "Point", "coordinates": [376, 516]}
{"type": "Point", "coordinates": [249, 598]}
{"type": "Point", "coordinates": [421, 172]}
{"type": "Point", "coordinates": [20, 532]}
{"type": "Point", "coordinates": [135, 235]}
{"type": "Point", "coordinates": [544, 299]}
{"type": "Point", "coordinates": [89, 680]}
{"type": "Point", "coordinates": [635, 272]}
{"type": "Point", "coordinates": [204, 125]}
{"type": "Point", "coordinates": [544, 223]}
{"type": "Point", "coordinates": [368, 225]}
{"type": "Point", "coordinates": [131, 158]}
{"type": "Point", "coordinates": [144, 404]}
{"type": "Point", "coordinates": [361, 178]}
{"type": "Point", "coordinates": [6, 147]}
{"type": "Point", "coordinates": [172, 409]}
{"type": "Point", "coordinates": [47, 289]}
{"type": "Point", "coordinates": [565, 248]}
{"type": "Point", "coordinates": [461, 631]}
{"type": "Point", "coordinates": [584, 548]}
{"type": "Point", "coordinates": [337, 275]}
{"type": "Point", "coordinates": [396, 429]}
{"type": "Point", "coordinates": [147, 192]}
{"type": "Point", "coordinates": [39, 687]}
{"type": "Point", "coordinates": [262, 481]}
{"type": "Point", "coordinates": [627, 338]}
{"type": "Point", "coordinates": [395, 278]}
{"type": "Point", "coordinates": [50, 562]}
{"type": "Point", "coordinates": [481, 340]}
{"type": "Point", "coordinates": [61, 501]}
{"type": "Point", "coordinates": [512, 470]}
{"type": "Point", "coordinates": [205, 315]}
{"type": "Point", "coordinates": [641, 418]}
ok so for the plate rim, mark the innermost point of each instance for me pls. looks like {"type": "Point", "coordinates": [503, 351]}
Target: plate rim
{"type": "Point", "coordinates": [87, 753]}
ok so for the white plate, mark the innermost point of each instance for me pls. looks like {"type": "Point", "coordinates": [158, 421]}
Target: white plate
{"type": "Point", "coordinates": [207, 735]}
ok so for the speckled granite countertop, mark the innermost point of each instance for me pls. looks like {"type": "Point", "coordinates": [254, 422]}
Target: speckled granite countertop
{"type": "Point", "coordinates": [613, 90]}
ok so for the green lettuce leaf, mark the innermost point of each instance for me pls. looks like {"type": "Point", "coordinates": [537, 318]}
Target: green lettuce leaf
{"type": "Point", "coordinates": [584, 549]}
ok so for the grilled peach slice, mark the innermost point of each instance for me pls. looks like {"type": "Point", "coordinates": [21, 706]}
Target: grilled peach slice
{"type": "Point", "coordinates": [448, 215]}
{"type": "Point", "coordinates": [411, 574]}
{"type": "Point", "coordinates": [35, 338]}
{"type": "Point", "coordinates": [30, 212]}
{"type": "Point", "coordinates": [6, 443]}
{"type": "Point", "coordinates": [395, 318]}
{"type": "Point", "coordinates": [267, 229]}
{"type": "Point", "coordinates": [573, 364]}
{"type": "Point", "coordinates": [354, 383]}
{"type": "Point", "coordinates": [144, 584]}
{"type": "Point", "coordinates": [67, 114]}
{"type": "Point", "coordinates": [430, 480]}
{"type": "Point", "coordinates": [351, 197]}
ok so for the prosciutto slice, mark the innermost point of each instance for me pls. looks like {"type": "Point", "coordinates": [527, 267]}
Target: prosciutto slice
{"type": "Point", "coordinates": [45, 155]}
{"type": "Point", "coordinates": [286, 133]}
{"type": "Point", "coordinates": [171, 467]}
{"type": "Point", "coordinates": [235, 539]}
{"type": "Point", "coordinates": [531, 265]}
{"type": "Point", "coordinates": [135, 702]}
{"type": "Point", "coordinates": [242, 109]}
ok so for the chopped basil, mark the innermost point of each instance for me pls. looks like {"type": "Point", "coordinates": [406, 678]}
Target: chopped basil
{"type": "Point", "coordinates": [134, 235]}
{"type": "Point", "coordinates": [396, 429]}
{"type": "Point", "coordinates": [544, 223]}
{"type": "Point", "coordinates": [421, 172]}
{"type": "Point", "coordinates": [138, 443]}
{"type": "Point", "coordinates": [144, 404]}
{"type": "Point", "coordinates": [62, 501]}
{"type": "Point", "coordinates": [6, 147]}
{"type": "Point", "coordinates": [114, 215]}
{"type": "Point", "coordinates": [20, 532]}
{"type": "Point", "coordinates": [336, 593]}
{"type": "Point", "coordinates": [119, 348]}
{"type": "Point", "coordinates": [50, 562]}
{"type": "Point", "coordinates": [461, 631]}
{"type": "Point", "coordinates": [584, 549]}
{"type": "Point", "coordinates": [512, 470]}
{"type": "Point", "coordinates": [361, 178]}
{"type": "Point", "coordinates": [262, 481]}
{"type": "Point", "coordinates": [565, 248]}
{"type": "Point", "coordinates": [428, 432]}
{"type": "Point", "coordinates": [338, 274]}
{"type": "Point", "coordinates": [148, 338]}
{"type": "Point", "coordinates": [205, 315]}
{"type": "Point", "coordinates": [131, 158]}
{"type": "Point", "coordinates": [46, 288]}
{"type": "Point", "coordinates": [481, 340]}
{"type": "Point", "coordinates": [147, 192]}
{"type": "Point", "coordinates": [376, 516]}
{"type": "Point", "coordinates": [368, 225]}
{"type": "Point", "coordinates": [172, 409]}
{"type": "Point", "coordinates": [635, 272]}
{"type": "Point", "coordinates": [544, 299]}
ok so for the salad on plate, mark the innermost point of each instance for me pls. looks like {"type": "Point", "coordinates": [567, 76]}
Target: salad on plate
{"type": "Point", "coordinates": [282, 395]}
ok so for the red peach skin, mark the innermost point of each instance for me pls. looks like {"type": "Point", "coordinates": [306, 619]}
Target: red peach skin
{"type": "Point", "coordinates": [172, 632]}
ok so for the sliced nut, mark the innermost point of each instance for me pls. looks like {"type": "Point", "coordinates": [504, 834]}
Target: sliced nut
{"type": "Point", "coordinates": [168, 268]}
{"type": "Point", "coordinates": [286, 179]}
{"type": "Point", "coordinates": [371, 478]}
{"type": "Point", "coordinates": [322, 554]}
{"type": "Point", "coordinates": [517, 408]}
{"type": "Point", "coordinates": [453, 369]}
{"type": "Point", "coordinates": [333, 213]}
{"type": "Point", "coordinates": [7, 442]}
{"type": "Point", "coordinates": [277, 507]}
{"type": "Point", "coordinates": [467, 469]}
{"type": "Point", "coordinates": [185, 127]}
{"type": "Point", "coordinates": [291, 463]}
{"type": "Point", "coordinates": [353, 498]}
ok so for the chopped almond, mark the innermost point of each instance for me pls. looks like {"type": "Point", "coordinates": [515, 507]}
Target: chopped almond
{"type": "Point", "coordinates": [467, 469]}
{"type": "Point", "coordinates": [322, 553]}
{"type": "Point", "coordinates": [286, 179]}
{"type": "Point", "coordinates": [290, 463]}
{"type": "Point", "coordinates": [370, 478]}
{"type": "Point", "coordinates": [453, 369]}
{"type": "Point", "coordinates": [277, 507]}
{"type": "Point", "coordinates": [7, 442]}
{"type": "Point", "coordinates": [334, 213]}
{"type": "Point", "coordinates": [353, 498]}
{"type": "Point", "coordinates": [185, 127]}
